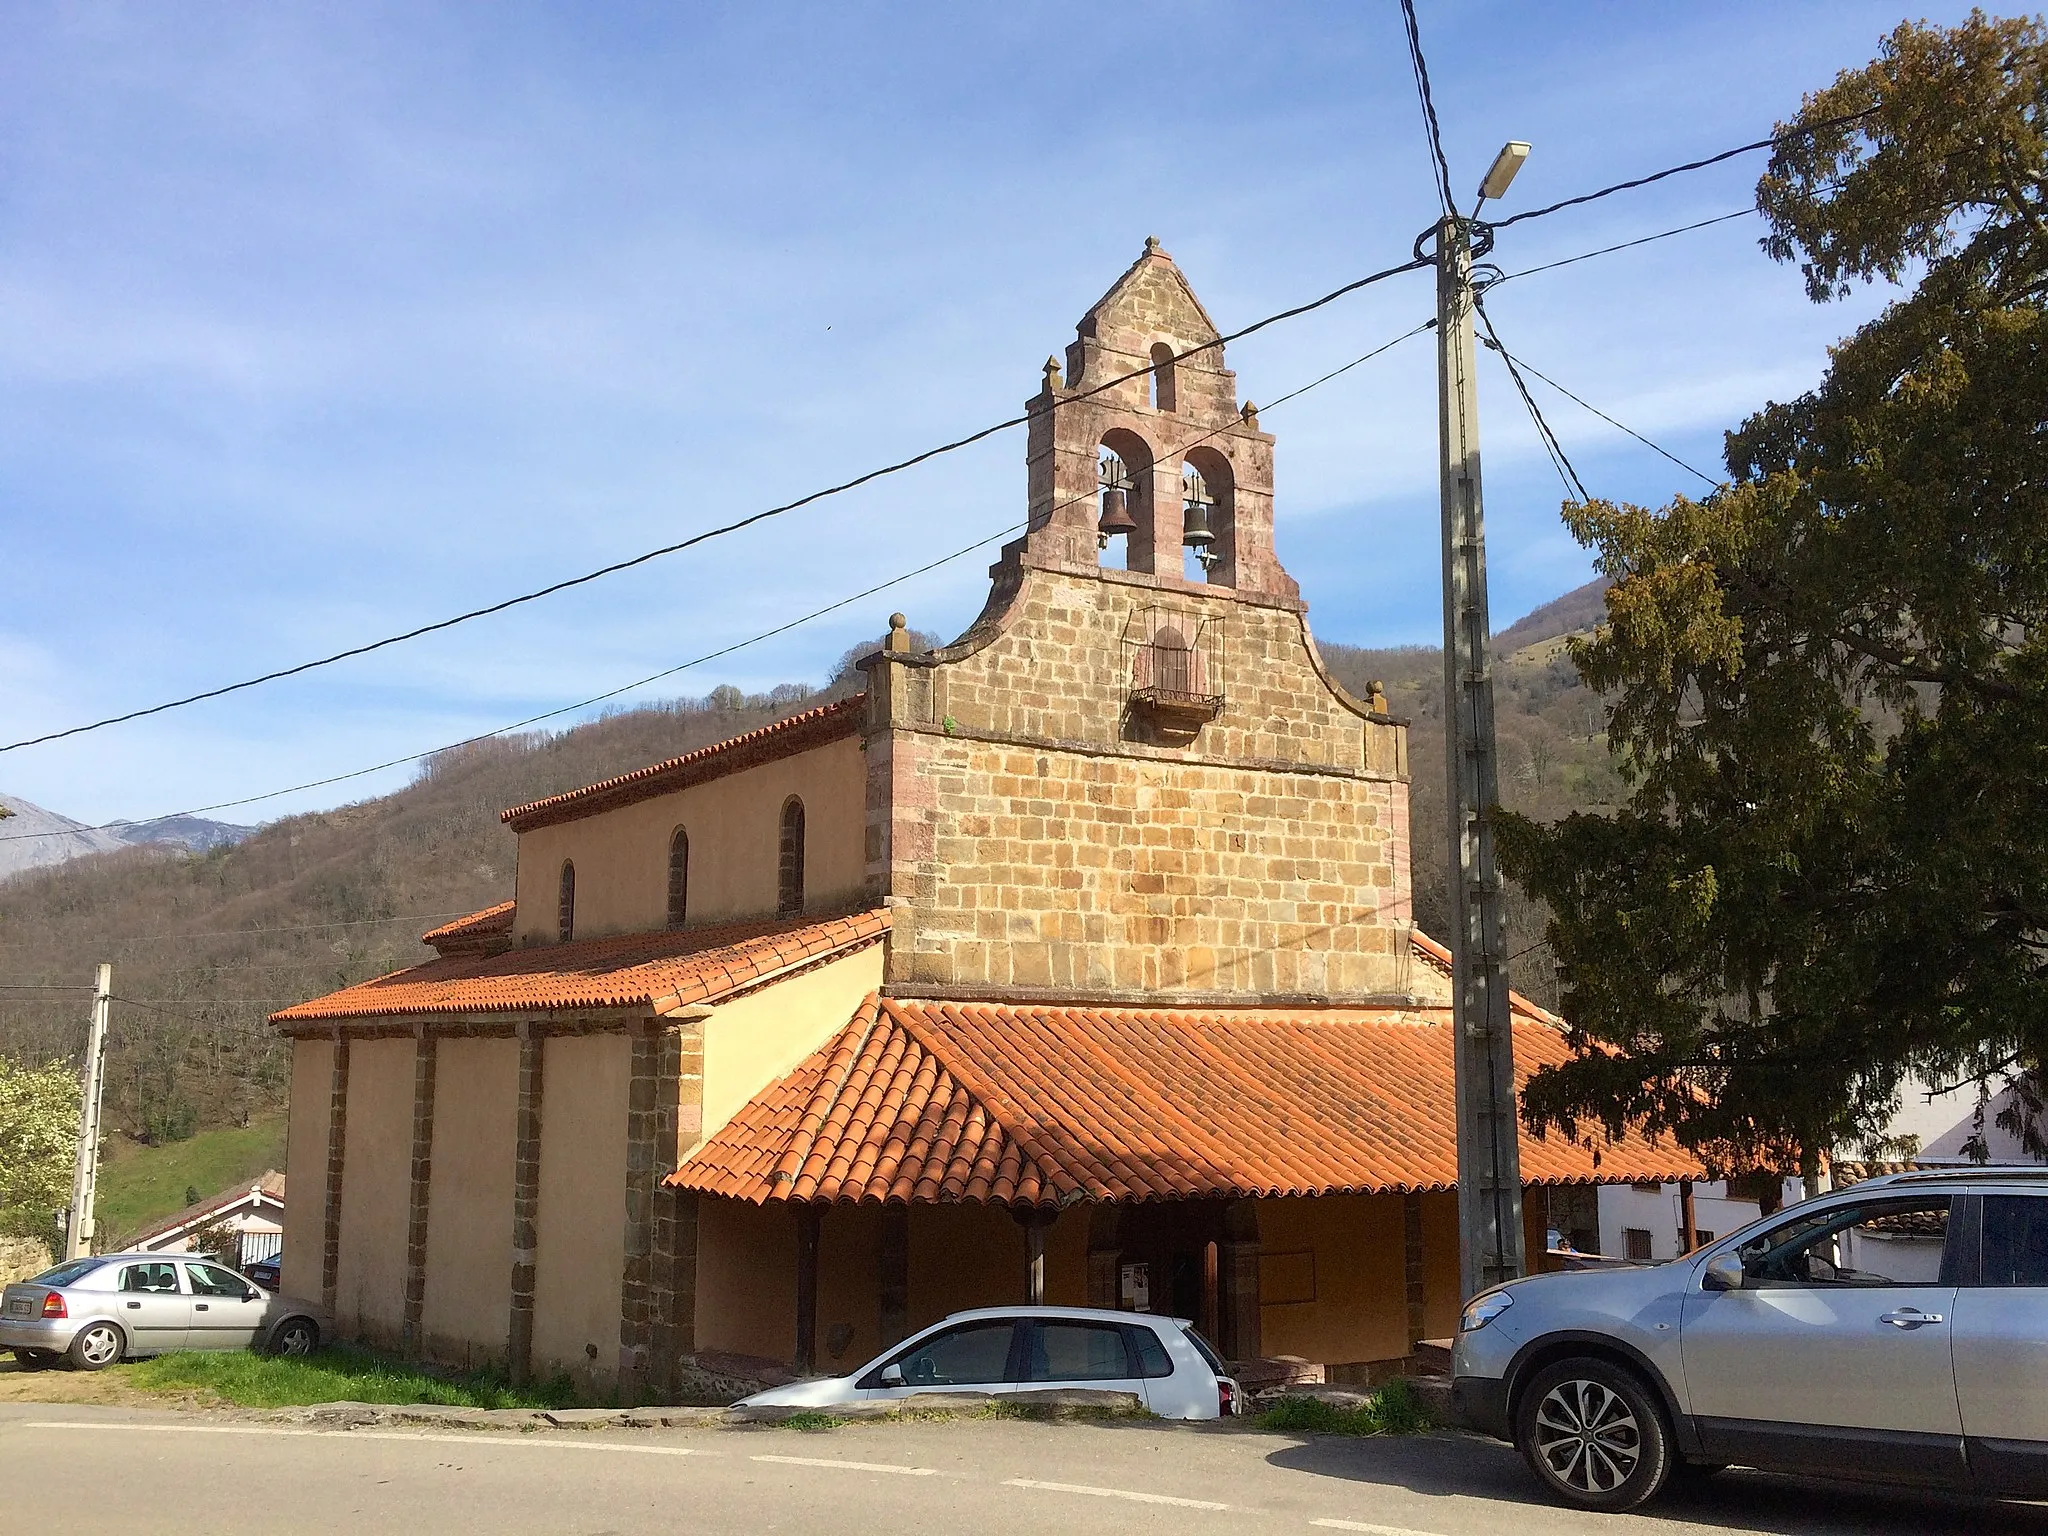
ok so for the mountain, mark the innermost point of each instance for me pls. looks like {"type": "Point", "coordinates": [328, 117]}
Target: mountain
{"type": "Point", "coordinates": [205, 944]}
{"type": "Point", "coordinates": [33, 838]}
{"type": "Point", "coordinates": [195, 834]}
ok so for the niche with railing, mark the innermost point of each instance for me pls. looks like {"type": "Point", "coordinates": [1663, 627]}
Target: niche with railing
{"type": "Point", "coordinates": [1175, 664]}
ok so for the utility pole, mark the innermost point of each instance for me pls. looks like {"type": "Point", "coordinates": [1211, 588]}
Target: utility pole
{"type": "Point", "coordinates": [78, 1233]}
{"type": "Point", "coordinates": [1489, 1154]}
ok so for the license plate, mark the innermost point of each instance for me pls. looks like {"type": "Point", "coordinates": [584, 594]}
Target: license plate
{"type": "Point", "coordinates": [20, 1308]}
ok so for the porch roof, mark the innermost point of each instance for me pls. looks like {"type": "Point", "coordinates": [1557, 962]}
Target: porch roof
{"type": "Point", "coordinates": [1034, 1104]}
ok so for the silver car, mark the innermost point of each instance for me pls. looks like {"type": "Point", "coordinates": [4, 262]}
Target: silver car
{"type": "Point", "coordinates": [1161, 1361]}
{"type": "Point", "coordinates": [96, 1311]}
{"type": "Point", "coordinates": [1895, 1331]}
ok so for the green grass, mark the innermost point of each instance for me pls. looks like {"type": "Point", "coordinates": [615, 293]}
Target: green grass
{"type": "Point", "coordinates": [141, 1185]}
{"type": "Point", "coordinates": [336, 1374]}
{"type": "Point", "coordinates": [1392, 1410]}
{"type": "Point", "coordinates": [810, 1420]}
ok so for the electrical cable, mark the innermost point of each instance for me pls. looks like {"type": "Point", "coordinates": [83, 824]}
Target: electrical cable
{"type": "Point", "coordinates": [1691, 165]}
{"type": "Point", "coordinates": [712, 655]}
{"type": "Point", "coordinates": [1517, 362]}
{"type": "Point", "coordinates": [228, 933]}
{"type": "Point", "coordinates": [1570, 476]}
{"type": "Point", "coordinates": [1608, 250]}
{"type": "Point", "coordinates": [1431, 127]}
{"type": "Point", "coordinates": [735, 526]}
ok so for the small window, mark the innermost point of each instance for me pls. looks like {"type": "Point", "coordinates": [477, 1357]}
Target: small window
{"type": "Point", "coordinates": [1636, 1244]}
{"type": "Point", "coordinates": [1162, 377]}
{"type": "Point", "coordinates": [1877, 1242]}
{"type": "Point", "coordinates": [789, 892]}
{"type": "Point", "coordinates": [208, 1280]}
{"type": "Point", "coordinates": [1076, 1352]}
{"type": "Point", "coordinates": [975, 1354]}
{"type": "Point", "coordinates": [1153, 1360]}
{"type": "Point", "coordinates": [1647, 1186]}
{"type": "Point", "coordinates": [678, 878]}
{"type": "Point", "coordinates": [2015, 1241]}
{"type": "Point", "coordinates": [1701, 1237]}
{"type": "Point", "coordinates": [162, 1278]}
{"type": "Point", "coordinates": [565, 912]}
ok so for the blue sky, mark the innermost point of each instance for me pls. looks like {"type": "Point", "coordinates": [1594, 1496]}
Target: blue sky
{"type": "Point", "coordinates": [321, 321]}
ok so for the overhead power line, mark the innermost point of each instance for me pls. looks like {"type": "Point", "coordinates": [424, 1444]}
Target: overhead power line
{"type": "Point", "coordinates": [735, 526]}
{"type": "Point", "coordinates": [1573, 485]}
{"type": "Point", "coordinates": [1609, 250]}
{"type": "Point", "coordinates": [709, 656]}
{"type": "Point", "coordinates": [1431, 127]}
{"type": "Point", "coordinates": [1691, 165]}
{"type": "Point", "coordinates": [1516, 362]}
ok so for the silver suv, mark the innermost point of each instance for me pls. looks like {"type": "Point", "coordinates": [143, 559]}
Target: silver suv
{"type": "Point", "coordinates": [1895, 1331]}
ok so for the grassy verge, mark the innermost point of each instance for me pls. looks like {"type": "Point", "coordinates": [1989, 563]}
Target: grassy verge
{"type": "Point", "coordinates": [336, 1374]}
{"type": "Point", "coordinates": [1392, 1410]}
{"type": "Point", "coordinates": [140, 1185]}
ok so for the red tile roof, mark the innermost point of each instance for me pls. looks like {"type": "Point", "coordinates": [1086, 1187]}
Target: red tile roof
{"type": "Point", "coordinates": [799, 733]}
{"type": "Point", "coordinates": [479, 933]}
{"type": "Point", "coordinates": [1032, 1104]}
{"type": "Point", "coordinates": [271, 1185]}
{"type": "Point", "coordinates": [1438, 958]}
{"type": "Point", "coordinates": [659, 971]}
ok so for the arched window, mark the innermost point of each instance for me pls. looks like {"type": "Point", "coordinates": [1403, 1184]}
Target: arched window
{"type": "Point", "coordinates": [565, 911]}
{"type": "Point", "coordinates": [789, 888]}
{"type": "Point", "coordinates": [1162, 377]}
{"type": "Point", "coordinates": [678, 878]}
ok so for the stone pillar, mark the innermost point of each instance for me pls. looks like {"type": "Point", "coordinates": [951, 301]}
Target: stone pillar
{"type": "Point", "coordinates": [1034, 1220]}
{"type": "Point", "coordinates": [1241, 1282]}
{"type": "Point", "coordinates": [675, 1289]}
{"type": "Point", "coordinates": [425, 1057]}
{"type": "Point", "coordinates": [337, 1154]}
{"type": "Point", "coordinates": [653, 1132]}
{"type": "Point", "coordinates": [892, 1280]}
{"type": "Point", "coordinates": [525, 1202]}
{"type": "Point", "coordinates": [1413, 1269]}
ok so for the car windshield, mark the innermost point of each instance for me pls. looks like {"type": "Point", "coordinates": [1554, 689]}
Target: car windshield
{"type": "Point", "coordinates": [67, 1274]}
{"type": "Point", "coordinates": [1202, 1348]}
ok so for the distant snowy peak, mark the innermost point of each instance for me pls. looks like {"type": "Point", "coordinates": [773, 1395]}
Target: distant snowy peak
{"type": "Point", "coordinates": [35, 838]}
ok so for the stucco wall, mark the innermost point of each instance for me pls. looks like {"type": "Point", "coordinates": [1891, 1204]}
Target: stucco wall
{"type": "Point", "coordinates": [369, 1294]}
{"type": "Point", "coordinates": [746, 1279]}
{"type": "Point", "coordinates": [1038, 845]}
{"type": "Point", "coordinates": [735, 827]}
{"type": "Point", "coordinates": [582, 1218]}
{"type": "Point", "coordinates": [305, 1159]}
{"type": "Point", "coordinates": [750, 1043]}
{"type": "Point", "coordinates": [963, 1256]}
{"type": "Point", "coordinates": [1359, 1311]}
{"type": "Point", "coordinates": [469, 1209]}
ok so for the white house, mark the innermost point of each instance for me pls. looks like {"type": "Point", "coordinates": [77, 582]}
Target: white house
{"type": "Point", "coordinates": [253, 1212]}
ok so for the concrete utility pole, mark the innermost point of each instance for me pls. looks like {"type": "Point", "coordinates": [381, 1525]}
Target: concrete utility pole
{"type": "Point", "coordinates": [85, 1182]}
{"type": "Point", "coordinates": [1489, 1155]}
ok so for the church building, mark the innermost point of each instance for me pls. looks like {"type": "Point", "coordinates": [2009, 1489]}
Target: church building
{"type": "Point", "coordinates": [1071, 961]}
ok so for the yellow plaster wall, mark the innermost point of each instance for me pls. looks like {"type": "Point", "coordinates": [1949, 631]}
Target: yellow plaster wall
{"type": "Point", "coordinates": [750, 1043]}
{"type": "Point", "coordinates": [1440, 1265]}
{"type": "Point", "coordinates": [746, 1278]}
{"type": "Point", "coordinates": [1360, 1310]}
{"type": "Point", "coordinates": [469, 1210]}
{"type": "Point", "coordinates": [376, 1180]}
{"type": "Point", "coordinates": [735, 826]}
{"type": "Point", "coordinates": [581, 1234]}
{"type": "Point", "coordinates": [963, 1256]}
{"type": "Point", "coordinates": [849, 1286]}
{"type": "Point", "coordinates": [306, 1166]}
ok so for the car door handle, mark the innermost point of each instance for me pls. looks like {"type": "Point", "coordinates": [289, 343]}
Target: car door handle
{"type": "Point", "coordinates": [200, 1306]}
{"type": "Point", "coordinates": [1911, 1317]}
{"type": "Point", "coordinates": [134, 1305]}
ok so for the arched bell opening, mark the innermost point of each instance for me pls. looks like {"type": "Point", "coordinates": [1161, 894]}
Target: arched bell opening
{"type": "Point", "coordinates": [1163, 395]}
{"type": "Point", "coordinates": [1208, 518]}
{"type": "Point", "coordinates": [1123, 492]}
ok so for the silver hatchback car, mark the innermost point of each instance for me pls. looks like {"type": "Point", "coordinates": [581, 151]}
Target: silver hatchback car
{"type": "Point", "coordinates": [1895, 1331]}
{"type": "Point", "coordinates": [96, 1311]}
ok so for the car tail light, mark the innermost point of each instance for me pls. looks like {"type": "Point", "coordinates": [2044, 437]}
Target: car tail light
{"type": "Point", "coordinates": [1226, 1397]}
{"type": "Point", "coordinates": [53, 1305]}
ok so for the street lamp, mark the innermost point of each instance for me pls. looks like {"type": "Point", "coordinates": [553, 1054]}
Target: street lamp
{"type": "Point", "coordinates": [1502, 173]}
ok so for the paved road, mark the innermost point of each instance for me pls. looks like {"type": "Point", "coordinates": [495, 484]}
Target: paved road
{"type": "Point", "coordinates": [79, 1470]}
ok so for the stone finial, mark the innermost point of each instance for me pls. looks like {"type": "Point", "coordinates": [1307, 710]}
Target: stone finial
{"type": "Point", "coordinates": [899, 633]}
{"type": "Point", "coordinates": [1376, 692]}
{"type": "Point", "coordinates": [1250, 415]}
{"type": "Point", "coordinates": [1152, 247]}
{"type": "Point", "coordinates": [1053, 381]}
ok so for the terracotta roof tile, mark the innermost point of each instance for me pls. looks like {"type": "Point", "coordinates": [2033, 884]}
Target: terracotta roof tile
{"type": "Point", "coordinates": [482, 932]}
{"type": "Point", "coordinates": [1028, 1104]}
{"type": "Point", "coordinates": [662, 971]}
{"type": "Point", "coordinates": [798, 733]}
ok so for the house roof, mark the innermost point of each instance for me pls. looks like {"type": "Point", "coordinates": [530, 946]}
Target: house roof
{"type": "Point", "coordinates": [663, 971]}
{"type": "Point", "coordinates": [798, 733]}
{"type": "Point", "coordinates": [270, 1186]}
{"type": "Point", "coordinates": [1036, 1104]}
{"type": "Point", "coordinates": [476, 933]}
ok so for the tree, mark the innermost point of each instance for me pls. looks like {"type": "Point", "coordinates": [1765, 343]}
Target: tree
{"type": "Point", "coordinates": [1829, 679]}
{"type": "Point", "coordinates": [38, 1145]}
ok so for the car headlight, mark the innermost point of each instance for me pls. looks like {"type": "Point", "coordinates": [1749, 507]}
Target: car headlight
{"type": "Point", "coordinates": [1481, 1310]}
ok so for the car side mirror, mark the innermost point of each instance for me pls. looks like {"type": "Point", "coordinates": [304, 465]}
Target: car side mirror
{"type": "Point", "coordinates": [892, 1375]}
{"type": "Point", "coordinates": [252, 1294]}
{"type": "Point", "coordinates": [1723, 1273]}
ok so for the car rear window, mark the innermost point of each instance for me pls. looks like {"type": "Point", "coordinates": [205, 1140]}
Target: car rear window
{"type": "Point", "coordinates": [1076, 1352]}
{"type": "Point", "coordinates": [67, 1274]}
{"type": "Point", "coordinates": [1151, 1355]}
{"type": "Point", "coordinates": [1202, 1348]}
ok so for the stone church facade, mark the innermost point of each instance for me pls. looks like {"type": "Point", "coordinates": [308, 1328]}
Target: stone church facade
{"type": "Point", "coordinates": [1073, 961]}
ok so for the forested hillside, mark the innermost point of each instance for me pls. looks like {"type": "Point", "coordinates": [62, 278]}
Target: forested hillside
{"type": "Point", "coordinates": [205, 945]}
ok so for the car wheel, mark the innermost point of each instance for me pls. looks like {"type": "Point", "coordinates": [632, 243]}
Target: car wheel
{"type": "Point", "coordinates": [36, 1359]}
{"type": "Point", "coordinates": [295, 1336]}
{"type": "Point", "coordinates": [97, 1346]}
{"type": "Point", "coordinates": [1594, 1433]}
